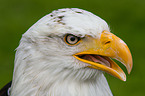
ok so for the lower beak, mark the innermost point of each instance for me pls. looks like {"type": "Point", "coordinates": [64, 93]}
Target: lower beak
{"type": "Point", "coordinates": [99, 53]}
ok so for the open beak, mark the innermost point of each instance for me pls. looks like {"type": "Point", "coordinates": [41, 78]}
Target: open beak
{"type": "Point", "coordinates": [100, 51]}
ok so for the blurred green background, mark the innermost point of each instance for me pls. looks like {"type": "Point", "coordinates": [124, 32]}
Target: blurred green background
{"type": "Point", "coordinates": [126, 19]}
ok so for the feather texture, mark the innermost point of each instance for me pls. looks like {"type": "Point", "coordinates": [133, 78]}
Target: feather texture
{"type": "Point", "coordinates": [44, 65]}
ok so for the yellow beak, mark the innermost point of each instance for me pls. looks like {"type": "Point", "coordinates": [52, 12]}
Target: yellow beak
{"type": "Point", "coordinates": [100, 51]}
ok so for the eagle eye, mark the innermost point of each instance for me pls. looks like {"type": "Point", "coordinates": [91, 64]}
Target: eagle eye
{"type": "Point", "coordinates": [71, 39]}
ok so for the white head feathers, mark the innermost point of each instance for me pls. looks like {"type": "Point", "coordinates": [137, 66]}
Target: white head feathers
{"type": "Point", "coordinates": [44, 63]}
{"type": "Point", "coordinates": [76, 21]}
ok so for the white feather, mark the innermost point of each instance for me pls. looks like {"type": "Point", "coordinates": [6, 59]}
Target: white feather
{"type": "Point", "coordinates": [44, 65]}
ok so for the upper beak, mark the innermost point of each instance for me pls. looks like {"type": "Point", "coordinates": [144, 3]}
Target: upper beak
{"type": "Point", "coordinates": [100, 52]}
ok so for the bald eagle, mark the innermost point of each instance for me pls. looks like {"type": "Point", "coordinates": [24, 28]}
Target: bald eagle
{"type": "Point", "coordinates": [66, 53]}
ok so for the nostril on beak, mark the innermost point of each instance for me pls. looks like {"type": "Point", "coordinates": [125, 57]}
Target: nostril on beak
{"type": "Point", "coordinates": [107, 42]}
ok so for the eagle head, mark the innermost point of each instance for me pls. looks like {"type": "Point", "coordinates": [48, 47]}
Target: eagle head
{"type": "Point", "coordinates": [67, 45]}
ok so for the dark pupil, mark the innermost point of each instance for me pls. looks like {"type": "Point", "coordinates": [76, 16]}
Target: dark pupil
{"type": "Point", "coordinates": [72, 38]}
